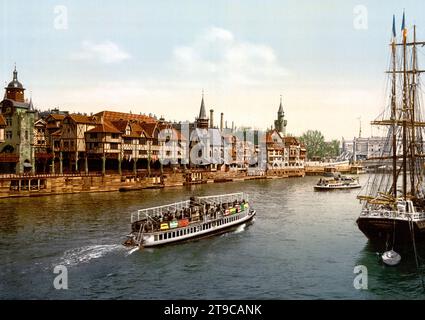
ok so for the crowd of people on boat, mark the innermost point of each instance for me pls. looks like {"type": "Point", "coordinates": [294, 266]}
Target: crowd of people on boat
{"type": "Point", "coordinates": [196, 211]}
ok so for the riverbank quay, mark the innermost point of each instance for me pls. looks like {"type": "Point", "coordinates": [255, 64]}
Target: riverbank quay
{"type": "Point", "coordinates": [13, 185]}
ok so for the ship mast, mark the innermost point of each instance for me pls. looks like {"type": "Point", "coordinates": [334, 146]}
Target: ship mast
{"type": "Point", "coordinates": [404, 112]}
{"type": "Point", "coordinates": [394, 113]}
{"type": "Point", "coordinates": [403, 124]}
{"type": "Point", "coordinates": [413, 138]}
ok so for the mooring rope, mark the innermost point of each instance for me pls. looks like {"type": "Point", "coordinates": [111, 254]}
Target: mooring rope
{"type": "Point", "coordinates": [418, 268]}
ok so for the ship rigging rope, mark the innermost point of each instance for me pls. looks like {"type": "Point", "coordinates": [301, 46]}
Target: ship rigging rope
{"type": "Point", "coordinates": [418, 267]}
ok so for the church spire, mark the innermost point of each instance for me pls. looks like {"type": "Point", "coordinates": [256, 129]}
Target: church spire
{"type": "Point", "coordinates": [280, 122]}
{"type": "Point", "coordinates": [15, 74]}
{"type": "Point", "coordinates": [202, 112]}
{"type": "Point", "coordinates": [280, 106]}
{"type": "Point", "coordinates": [202, 121]}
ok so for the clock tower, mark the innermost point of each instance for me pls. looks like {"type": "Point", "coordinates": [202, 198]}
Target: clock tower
{"type": "Point", "coordinates": [15, 90]}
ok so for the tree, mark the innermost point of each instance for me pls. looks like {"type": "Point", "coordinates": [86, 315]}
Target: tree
{"type": "Point", "coordinates": [314, 142]}
{"type": "Point", "coordinates": [332, 149]}
{"type": "Point", "coordinates": [317, 147]}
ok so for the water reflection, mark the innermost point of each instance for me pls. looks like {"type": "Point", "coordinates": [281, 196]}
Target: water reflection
{"type": "Point", "coordinates": [402, 281]}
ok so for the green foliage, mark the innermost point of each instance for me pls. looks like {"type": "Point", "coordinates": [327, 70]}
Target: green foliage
{"type": "Point", "coordinates": [316, 145]}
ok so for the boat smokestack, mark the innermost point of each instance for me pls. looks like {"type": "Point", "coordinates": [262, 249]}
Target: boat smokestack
{"type": "Point", "coordinates": [221, 121]}
{"type": "Point", "coordinates": [212, 118]}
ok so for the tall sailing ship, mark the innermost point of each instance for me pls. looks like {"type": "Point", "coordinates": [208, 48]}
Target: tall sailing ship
{"type": "Point", "coordinates": [394, 203]}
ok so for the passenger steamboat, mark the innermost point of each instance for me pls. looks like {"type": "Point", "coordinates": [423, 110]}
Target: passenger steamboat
{"type": "Point", "coordinates": [195, 218]}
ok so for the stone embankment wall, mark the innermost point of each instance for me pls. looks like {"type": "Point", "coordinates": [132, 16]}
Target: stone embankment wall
{"type": "Point", "coordinates": [32, 186]}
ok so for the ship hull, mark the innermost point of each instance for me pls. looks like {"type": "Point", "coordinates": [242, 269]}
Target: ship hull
{"type": "Point", "coordinates": [213, 233]}
{"type": "Point", "coordinates": [382, 229]}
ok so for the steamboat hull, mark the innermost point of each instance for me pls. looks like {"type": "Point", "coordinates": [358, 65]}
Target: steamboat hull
{"type": "Point", "coordinates": [209, 234]}
{"type": "Point", "coordinates": [382, 229]}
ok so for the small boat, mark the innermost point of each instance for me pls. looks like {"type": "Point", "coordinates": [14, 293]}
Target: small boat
{"type": "Point", "coordinates": [186, 220]}
{"type": "Point", "coordinates": [337, 183]}
{"type": "Point", "coordinates": [391, 258]}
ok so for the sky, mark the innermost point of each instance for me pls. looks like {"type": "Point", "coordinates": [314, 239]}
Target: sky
{"type": "Point", "coordinates": [326, 58]}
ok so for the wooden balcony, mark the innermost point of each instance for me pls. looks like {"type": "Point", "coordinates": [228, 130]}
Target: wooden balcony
{"type": "Point", "coordinates": [9, 157]}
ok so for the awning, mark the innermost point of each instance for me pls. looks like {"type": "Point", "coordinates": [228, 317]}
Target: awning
{"type": "Point", "coordinates": [27, 165]}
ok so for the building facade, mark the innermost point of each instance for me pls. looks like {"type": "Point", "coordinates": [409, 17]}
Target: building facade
{"type": "Point", "coordinates": [360, 149]}
{"type": "Point", "coordinates": [2, 127]}
{"type": "Point", "coordinates": [17, 154]}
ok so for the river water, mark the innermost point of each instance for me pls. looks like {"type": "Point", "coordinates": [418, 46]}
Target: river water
{"type": "Point", "coordinates": [303, 245]}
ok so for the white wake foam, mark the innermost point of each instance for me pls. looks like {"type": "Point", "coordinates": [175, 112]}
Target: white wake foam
{"type": "Point", "coordinates": [88, 253]}
{"type": "Point", "coordinates": [240, 229]}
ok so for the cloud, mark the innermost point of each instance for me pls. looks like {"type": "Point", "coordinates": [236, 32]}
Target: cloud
{"type": "Point", "coordinates": [105, 52]}
{"type": "Point", "coordinates": [216, 55]}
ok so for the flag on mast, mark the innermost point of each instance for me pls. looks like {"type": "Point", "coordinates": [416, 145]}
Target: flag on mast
{"type": "Point", "coordinates": [394, 32]}
{"type": "Point", "coordinates": [403, 27]}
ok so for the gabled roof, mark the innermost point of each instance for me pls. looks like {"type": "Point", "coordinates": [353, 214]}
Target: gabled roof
{"type": "Point", "coordinates": [55, 116]}
{"type": "Point", "coordinates": [104, 127]}
{"type": "Point", "coordinates": [135, 128]}
{"type": "Point", "coordinates": [115, 116]}
{"type": "Point", "coordinates": [40, 122]}
{"type": "Point", "coordinates": [176, 135]}
{"type": "Point", "coordinates": [291, 141]}
{"type": "Point", "coordinates": [2, 121]}
{"type": "Point", "coordinates": [82, 119]}
{"type": "Point", "coordinates": [150, 129]}
{"type": "Point", "coordinates": [121, 125]}
{"type": "Point", "coordinates": [270, 134]}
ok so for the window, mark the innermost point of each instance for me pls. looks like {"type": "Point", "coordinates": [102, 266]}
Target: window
{"type": "Point", "coordinates": [156, 237]}
{"type": "Point", "coordinates": [115, 136]}
{"type": "Point", "coordinates": [8, 135]}
{"type": "Point", "coordinates": [9, 121]}
{"type": "Point", "coordinates": [143, 152]}
{"type": "Point", "coordinates": [92, 135]}
{"type": "Point", "coordinates": [114, 146]}
{"type": "Point", "coordinates": [168, 153]}
{"type": "Point", "coordinates": [160, 237]}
